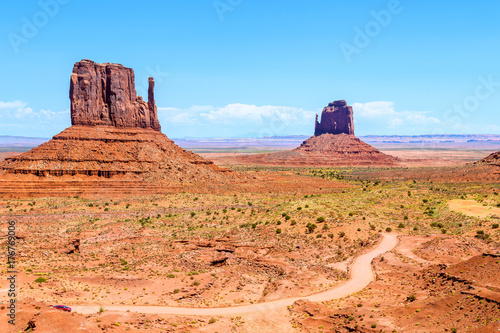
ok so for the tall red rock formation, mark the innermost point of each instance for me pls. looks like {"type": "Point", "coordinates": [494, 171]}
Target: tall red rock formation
{"type": "Point", "coordinates": [333, 144]}
{"type": "Point", "coordinates": [336, 118]}
{"type": "Point", "coordinates": [104, 94]}
{"type": "Point", "coordinates": [114, 134]}
{"type": "Point", "coordinates": [153, 112]}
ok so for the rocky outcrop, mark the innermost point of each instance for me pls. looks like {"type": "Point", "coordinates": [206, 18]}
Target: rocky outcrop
{"type": "Point", "coordinates": [336, 118]}
{"type": "Point", "coordinates": [106, 152]}
{"type": "Point", "coordinates": [72, 247]}
{"type": "Point", "coordinates": [493, 159]}
{"type": "Point", "coordinates": [326, 150]}
{"type": "Point", "coordinates": [333, 144]}
{"type": "Point", "coordinates": [104, 94]}
{"type": "Point", "coordinates": [114, 135]}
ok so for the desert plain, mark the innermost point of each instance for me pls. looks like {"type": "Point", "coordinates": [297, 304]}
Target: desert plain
{"type": "Point", "coordinates": [114, 259]}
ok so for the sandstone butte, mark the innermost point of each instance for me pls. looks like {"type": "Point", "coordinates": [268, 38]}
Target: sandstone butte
{"type": "Point", "coordinates": [333, 144]}
{"type": "Point", "coordinates": [114, 134]}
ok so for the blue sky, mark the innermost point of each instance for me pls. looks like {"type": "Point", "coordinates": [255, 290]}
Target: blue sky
{"type": "Point", "coordinates": [233, 68]}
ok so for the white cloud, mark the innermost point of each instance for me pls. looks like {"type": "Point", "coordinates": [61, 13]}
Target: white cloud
{"type": "Point", "coordinates": [16, 109]}
{"type": "Point", "coordinates": [21, 111]}
{"type": "Point", "coordinates": [25, 112]}
{"type": "Point", "coordinates": [12, 105]}
{"type": "Point", "coordinates": [17, 114]}
{"type": "Point", "coordinates": [384, 111]}
{"type": "Point", "coordinates": [237, 112]}
{"type": "Point", "coordinates": [259, 120]}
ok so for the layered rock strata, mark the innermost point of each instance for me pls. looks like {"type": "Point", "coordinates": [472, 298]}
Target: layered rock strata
{"type": "Point", "coordinates": [114, 133]}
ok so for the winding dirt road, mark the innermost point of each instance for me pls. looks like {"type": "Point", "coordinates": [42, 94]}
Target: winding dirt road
{"type": "Point", "coordinates": [361, 276]}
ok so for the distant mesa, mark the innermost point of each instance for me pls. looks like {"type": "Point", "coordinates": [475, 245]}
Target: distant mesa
{"type": "Point", "coordinates": [114, 133]}
{"type": "Point", "coordinates": [333, 144]}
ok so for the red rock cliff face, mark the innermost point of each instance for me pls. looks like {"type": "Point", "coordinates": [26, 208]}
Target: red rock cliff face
{"type": "Point", "coordinates": [336, 118]}
{"type": "Point", "coordinates": [104, 94]}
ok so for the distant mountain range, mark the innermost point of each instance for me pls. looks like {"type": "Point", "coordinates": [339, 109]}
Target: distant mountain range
{"type": "Point", "coordinates": [20, 141]}
{"type": "Point", "coordinates": [453, 141]}
{"type": "Point", "coordinates": [447, 141]}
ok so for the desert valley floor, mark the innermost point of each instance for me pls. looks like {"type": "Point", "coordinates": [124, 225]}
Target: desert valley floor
{"type": "Point", "coordinates": [282, 233]}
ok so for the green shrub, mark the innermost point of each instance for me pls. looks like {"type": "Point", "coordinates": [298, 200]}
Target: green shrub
{"type": "Point", "coordinates": [310, 227]}
{"type": "Point", "coordinates": [482, 235]}
{"type": "Point", "coordinates": [41, 279]}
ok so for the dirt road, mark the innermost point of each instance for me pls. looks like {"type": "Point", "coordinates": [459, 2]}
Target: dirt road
{"type": "Point", "coordinates": [361, 276]}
